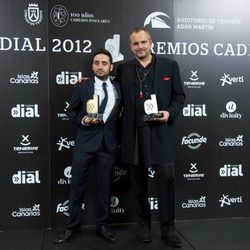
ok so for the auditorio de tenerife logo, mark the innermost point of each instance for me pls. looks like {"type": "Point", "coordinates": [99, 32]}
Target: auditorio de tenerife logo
{"type": "Point", "coordinates": [156, 21]}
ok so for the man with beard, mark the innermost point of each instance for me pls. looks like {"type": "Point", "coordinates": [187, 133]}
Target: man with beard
{"type": "Point", "coordinates": [150, 143]}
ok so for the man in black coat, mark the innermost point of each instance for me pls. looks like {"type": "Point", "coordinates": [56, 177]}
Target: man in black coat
{"type": "Point", "coordinates": [96, 141]}
{"type": "Point", "coordinates": [150, 143]}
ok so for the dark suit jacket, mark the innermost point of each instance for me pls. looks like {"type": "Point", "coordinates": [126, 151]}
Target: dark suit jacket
{"type": "Point", "coordinates": [168, 88]}
{"type": "Point", "coordinates": [89, 138]}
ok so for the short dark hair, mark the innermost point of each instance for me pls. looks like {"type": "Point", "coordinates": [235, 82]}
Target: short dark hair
{"type": "Point", "coordinates": [102, 51]}
{"type": "Point", "coordinates": [139, 29]}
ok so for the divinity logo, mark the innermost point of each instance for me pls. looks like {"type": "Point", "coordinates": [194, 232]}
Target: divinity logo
{"type": "Point", "coordinates": [68, 176]}
{"type": "Point", "coordinates": [114, 208]}
{"type": "Point", "coordinates": [226, 79]}
{"type": "Point", "coordinates": [156, 22]}
{"type": "Point", "coordinates": [225, 200]}
{"type": "Point", "coordinates": [231, 108]}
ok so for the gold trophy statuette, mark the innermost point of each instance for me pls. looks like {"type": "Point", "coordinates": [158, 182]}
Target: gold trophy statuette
{"type": "Point", "coordinates": [92, 108]}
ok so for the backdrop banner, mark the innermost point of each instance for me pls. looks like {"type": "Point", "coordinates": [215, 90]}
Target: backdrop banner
{"type": "Point", "coordinates": [46, 46]}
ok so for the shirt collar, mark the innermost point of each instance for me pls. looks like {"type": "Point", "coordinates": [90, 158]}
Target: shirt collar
{"type": "Point", "coordinates": [99, 81]}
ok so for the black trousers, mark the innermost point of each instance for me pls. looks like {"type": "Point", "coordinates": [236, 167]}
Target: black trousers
{"type": "Point", "coordinates": [166, 200]}
{"type": "Point", "coordinates": [165, 183]}
{"type": "Point", "coordinates": [81, 163]}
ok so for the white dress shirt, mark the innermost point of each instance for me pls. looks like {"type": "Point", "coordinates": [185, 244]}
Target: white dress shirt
{"type": "Point", "coordinates": [111, 95]}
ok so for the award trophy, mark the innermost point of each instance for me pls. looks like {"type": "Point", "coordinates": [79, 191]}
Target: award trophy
{"type": "Point", "coordinates": [151, 109]}
{"type": "Point", "coordinates": [92, 108]}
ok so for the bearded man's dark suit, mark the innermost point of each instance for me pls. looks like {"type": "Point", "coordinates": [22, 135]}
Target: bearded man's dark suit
{"type": "Point", "coordinates": [167, 86]}
{"type": "Point", "coordinates": [94, 142]}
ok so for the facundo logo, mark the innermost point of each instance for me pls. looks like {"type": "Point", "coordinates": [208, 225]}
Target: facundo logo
{"type": "Point", "coordinates": [113, 46]}
{"type": "Point", "coordinates": [25, 147]}
{"type": "Point", "coordinates": [114, 202]}
{"type": "Point", "coordinates": [227, 80]}
{"type": "Point", "coordinates": [156, 22]}
{"type": "Point", "coordinates": [194, 110]}
{"type": "Point", "coordinates": [224, 200]}
{"type": "Point", "coordinates": [64, 208]}
{"type": "Point", "coordinates": [153, 203]}
{"type": "Point", "coordinates": [193, 174]}
{"type": "Point", "coordinates": [68, 175]}
{"type": "Point", "coordinates": [33, 15]}
{"type": "Point", "coordinates": [27, 212]}
{"type": "Point", "coordinates": [231, 170]}
{"type": "Point", "coordinates": [59, 15]}
{"type": "Point", "coordinates": [25, 111]}
{"type": "Point", "coordinates": [232, 142]}
{"type": "Point", "coordinates": [66, 77]}
{"type": "Point", "coordinates": [195, 203]}
{"type": "Point", "coordinates": [194, 83]}
{"type": "Point", "coordinates": [64, 116]}
{"type": "Point", "coordinates": [231, 108]}
{"type": "Point", "coordinates": [26, 177]}
{"type": "Point", "coordinates": [25, 79]}
{"type": "Point", "coordinates": [193, 140]}
{"type": "Point", "coordinates": [119, 173]}
{"type": "Point", "coordinates": [63, 143]}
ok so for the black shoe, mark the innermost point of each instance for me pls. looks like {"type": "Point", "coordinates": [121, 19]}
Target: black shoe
{"type": "Point", "coordinates": [105, 234]}
{"type": "Point", "coordinates": [66, 236]}
{"type": "Point", "coordinates": [172, 239]}
{"type": "Point", "coordinates": [144, 234]}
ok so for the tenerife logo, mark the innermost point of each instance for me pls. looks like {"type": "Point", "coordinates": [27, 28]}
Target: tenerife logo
{"type": "Point", "coordinates": [195, 203]}
{"type": "Point", "coordinates": [194, 81]}
{"type": "Point", "coordinates": [193, 174]}
{"type": "Point", "coordinates": [227, 80]}
{"type": "Point", "coordinates": [33, 15]}
{"type": "Point", "coordinates": [66, 77]}
{"type": "Point", "coordinates": [115, 209]}
{"type": "Point", "coordinates": [153, 203]}
{"type": "Point", "coordinates": [25, 111]}
{"type": "Point", "coordinates": [119, 173]}
{"type": "Point", "coordinates": [26, 177]}
{"type": "Point", "coordinates": [231, 170]}
{"type": "Point", "coordinates": [68, 176]}
{"type": "Point", "coordinates": [63, 143]}
{"type": "Point", "coordinates": [231, 114]}
{"type": "Point", "coordinates": [25, 146]}
{"type": "Point", "coordinates": [113, 46]}
{"type": "Point", "coordinates": [63, 116]}
{"type": "Point", "coordinates": [27, 212]}
{"type": "Point", "coordinates": [25, 79]}
{"type": "Point", "coordinates": [195, 110]}
{"type": "Point", "coordinates": [225, 200]}
{"type": "Point", "coordinates": [156, 22]}
{"type": "Point", "coordinates": [232, 142]}
{"type": "Point", "coordinates": [193, 140]}
{"type": "Point", "coordinates": [59, 15]}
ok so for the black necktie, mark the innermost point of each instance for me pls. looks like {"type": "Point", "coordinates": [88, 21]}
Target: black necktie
{"type": "Point", "coordinates": [105, 99]}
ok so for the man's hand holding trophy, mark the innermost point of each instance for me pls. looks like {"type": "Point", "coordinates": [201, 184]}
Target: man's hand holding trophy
{"type": "Point", "coordinates": [152, 113]}
{"type": "Point", "coordinates": [92, 108]}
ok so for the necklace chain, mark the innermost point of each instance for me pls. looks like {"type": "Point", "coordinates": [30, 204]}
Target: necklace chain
{"type": "Point", "coordinates": [141, 80]}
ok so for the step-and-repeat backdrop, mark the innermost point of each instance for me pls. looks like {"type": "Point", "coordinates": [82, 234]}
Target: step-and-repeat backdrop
{"type": "Point", "coordinates": [46, 46]}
